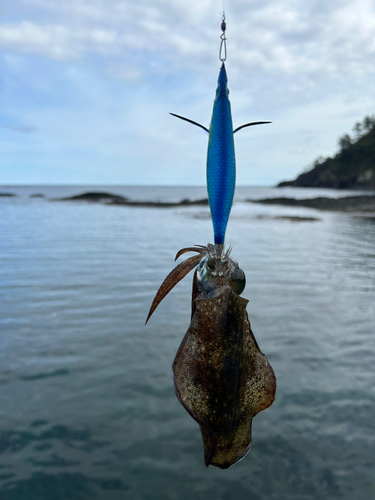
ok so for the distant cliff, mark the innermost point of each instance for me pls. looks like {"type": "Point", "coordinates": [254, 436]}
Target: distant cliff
{"type": "Point", "coordinates": [353, 167]}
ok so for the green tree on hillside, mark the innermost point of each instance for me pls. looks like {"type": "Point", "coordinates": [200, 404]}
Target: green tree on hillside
{"type": "Point", "coordinates": [352, 167]}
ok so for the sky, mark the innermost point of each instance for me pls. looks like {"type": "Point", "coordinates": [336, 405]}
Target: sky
{"type": "Point", "coordinates": [86, 87]}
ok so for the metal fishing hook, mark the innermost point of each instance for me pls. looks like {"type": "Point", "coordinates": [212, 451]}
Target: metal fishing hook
{"type": "Point", "coordinates": [223, 43]}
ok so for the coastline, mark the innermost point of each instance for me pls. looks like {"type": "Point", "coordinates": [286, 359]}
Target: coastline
{"type": "Point", "coordinates": [345, 204]}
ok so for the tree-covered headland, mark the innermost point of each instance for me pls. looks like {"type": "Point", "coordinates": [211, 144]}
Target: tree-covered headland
{"type": "Point", "coordinates": [353, 167]}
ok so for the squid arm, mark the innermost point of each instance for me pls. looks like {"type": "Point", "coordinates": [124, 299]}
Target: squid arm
{"type": "Point", "coordinates": [176, 275]}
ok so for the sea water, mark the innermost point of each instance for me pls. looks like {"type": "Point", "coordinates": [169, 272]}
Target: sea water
{"type": "Point", "coordinates": [87, 406]}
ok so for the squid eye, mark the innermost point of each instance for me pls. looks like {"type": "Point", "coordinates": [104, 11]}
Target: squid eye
{"type": "Point", "coordinates": [237, 281]}
{"type": "Point", "coordinates": [236, 277]}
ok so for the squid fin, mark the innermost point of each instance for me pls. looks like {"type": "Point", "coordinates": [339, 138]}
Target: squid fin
{"type": "Point", "coordinates": [191, 121]}
{"type": "Point", "coordinates": [247, 125]}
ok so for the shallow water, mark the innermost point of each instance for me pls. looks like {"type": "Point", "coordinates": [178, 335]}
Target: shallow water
{"type": "Point", "coordinates": [87, 405]}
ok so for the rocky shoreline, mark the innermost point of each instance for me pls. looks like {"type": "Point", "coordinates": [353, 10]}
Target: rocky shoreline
{"type": "Point", "coordinates": [345, 204]}
{"type": "Point", "coordinates": [350, 204]}
{"type": "Point", "coordinates": [113, 199]}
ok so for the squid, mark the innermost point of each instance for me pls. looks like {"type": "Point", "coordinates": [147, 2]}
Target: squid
{"type": "Point", "coordinates": [221, 377]}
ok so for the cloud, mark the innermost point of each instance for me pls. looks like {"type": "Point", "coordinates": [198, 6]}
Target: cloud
{"type": "Point", "coordinates": [25, 129]}
{"type": "Point", "coordinates": [317, 39]}
{"type": "Point", "coordinates": [55, 41]}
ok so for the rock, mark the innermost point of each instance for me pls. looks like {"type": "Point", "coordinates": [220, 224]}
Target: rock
{"type": "Point", "coordinates": [291, 218]}
{"type": "Point", "coordinates": [113, 199]}
{"type": "Point", "coordinates": [95, 196]}
{"type": "Point", "coordinates": [345, 204]}
{"type": "Point", "coordinates": [162, 204]}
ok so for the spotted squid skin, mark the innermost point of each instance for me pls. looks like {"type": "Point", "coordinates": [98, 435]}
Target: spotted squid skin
{"type": "Point", "coordinates": [221, 377]}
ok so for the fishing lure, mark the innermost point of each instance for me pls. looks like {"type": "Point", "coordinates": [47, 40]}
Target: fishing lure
{"type": "Point", "coordinates": [220, 375]}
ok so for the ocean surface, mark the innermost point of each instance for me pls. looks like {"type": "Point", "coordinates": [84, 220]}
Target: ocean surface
{"type": "Point", "coordinates": [87, 406]}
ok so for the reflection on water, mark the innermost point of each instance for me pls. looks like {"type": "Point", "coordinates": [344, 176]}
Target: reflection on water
{"type": "Point", "coordinates": [86, 392]}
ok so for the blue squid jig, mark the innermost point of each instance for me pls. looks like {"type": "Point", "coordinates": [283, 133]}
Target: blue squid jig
{"type": "Point", "coordinates": [221, 162]}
